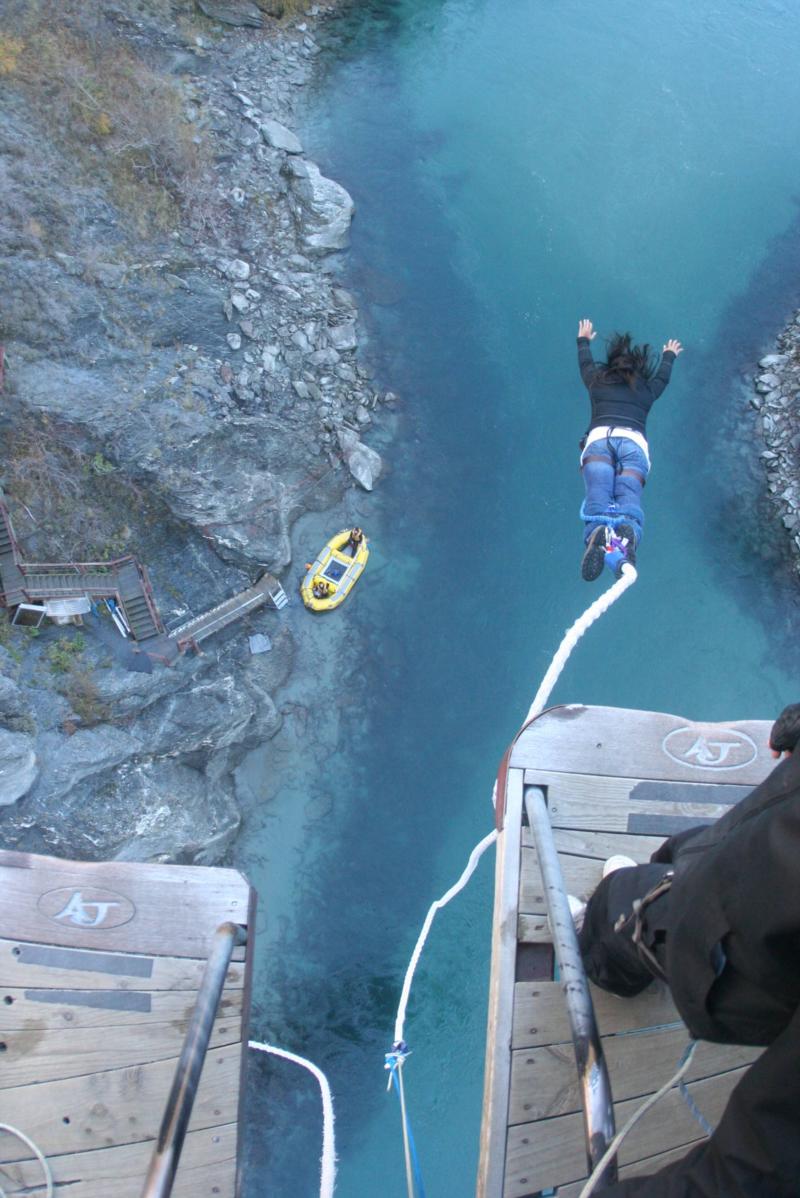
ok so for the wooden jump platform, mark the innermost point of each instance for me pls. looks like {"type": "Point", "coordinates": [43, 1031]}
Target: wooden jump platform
{"type": "Point", "coordinates": [99, 970]}
{"type": "Point", "coordinates": [616, 781]}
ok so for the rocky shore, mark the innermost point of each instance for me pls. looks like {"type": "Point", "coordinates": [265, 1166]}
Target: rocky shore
{"type": "Point", "coordinates": [182, 382]}
{"type": "Point", "coordinates": [777, 400]}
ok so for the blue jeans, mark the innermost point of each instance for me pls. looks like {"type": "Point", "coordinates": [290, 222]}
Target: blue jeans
{"type": "Point", "coordinates": [614, 473]}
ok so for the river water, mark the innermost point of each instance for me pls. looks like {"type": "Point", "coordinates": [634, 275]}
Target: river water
{"type": "Point", "coordinates": [516, 166]}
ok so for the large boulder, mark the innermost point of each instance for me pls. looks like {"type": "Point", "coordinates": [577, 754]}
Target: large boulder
{"type": "Point", "coordinates": [279, 137]}
{"type": "Point", "coordinates": [323, 209]}
{"type": "Point", "coordinates": [90, 752]}
{"type": "Point", "coordinates": [364, 464]}
{"type": "Point", "coordinates": [232, 12]}
{"type": "Point", "coordinates": [18, 766]}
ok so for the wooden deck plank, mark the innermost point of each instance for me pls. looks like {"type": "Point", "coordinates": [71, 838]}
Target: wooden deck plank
{"type": "Point", "coordinates": [600, 787]}
{"type": "Point", "coordinates": [631, 806]}
{"type": "Point", "coordinates": [540, 1015]}
{"type": "Point", "coordinates": [117, 1106]}
{"type": "Point", "coordinates": [35, 1054]}
{"type": "Point", "coordinates": [501, 997]}
{"type": "Point", "coordinates": [544, 1080]}
{"type": "Point", "coordinates": [207, 1168]}
{"type": "Point", "coordinates": [650, 1164]}
{"type": "Point", "coordinates": [644, 744]}
{"type": "Point", "coordinates": [84, 1009]}
{"type": "Point", "coordinates": [551, 1152]}
{"type": "Point", "coordinates": [533, 929]}
{"type": "Point", "coordinates": [567, 811]}
{"type": "Point", "coordinates": [600, 844]}
{"type": "Point", "coordinates": [40, 966]}
{"type": "Point", "coordinates": [582, 875]}
{"type": "Point", "coordinates": [159, 909]}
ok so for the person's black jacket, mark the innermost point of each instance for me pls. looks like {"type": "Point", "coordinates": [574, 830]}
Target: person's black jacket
{"type": "Point", "coordinates": [614, 401]}
{"type": "Point", "coordinates": [737, 886]}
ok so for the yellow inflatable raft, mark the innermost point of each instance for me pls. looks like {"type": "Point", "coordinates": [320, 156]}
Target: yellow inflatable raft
{"type": "Point", "coordinates": [335, 571]}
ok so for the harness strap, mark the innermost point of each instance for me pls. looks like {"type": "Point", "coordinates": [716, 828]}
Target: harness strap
{"type": "Point", "coordinates": [597, 457]}
{"type": "Point", "coordinates": [637, 938]}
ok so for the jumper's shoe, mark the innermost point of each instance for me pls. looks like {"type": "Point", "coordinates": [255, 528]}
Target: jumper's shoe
{"type": "Point", "coordinates": [594, 554]}
{"type": "Point", "coordinates": [625, 533]}
{"type": "Point", "coordinates": [618, 861]}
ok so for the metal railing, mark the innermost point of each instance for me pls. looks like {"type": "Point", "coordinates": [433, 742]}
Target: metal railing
{"type": "Point", "coordinates": [595, 1085]}
{"type": "Point", "coordinates": [149, 595]}
{"type": "Point", "coordinates": [178, 1111]}
{"type": "Point", "coordinates": [78, 568]}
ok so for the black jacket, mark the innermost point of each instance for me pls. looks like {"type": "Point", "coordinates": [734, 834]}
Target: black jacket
{"type": "Point", "coordinates": [614, 402]}
{"type": "Point", "coordinates": [737, 887]}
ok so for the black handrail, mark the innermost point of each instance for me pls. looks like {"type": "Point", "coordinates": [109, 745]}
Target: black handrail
{"type": "Point", "coordinates": [598, 1106]}
{"type": "Point", "coordinates": [178, 1111]}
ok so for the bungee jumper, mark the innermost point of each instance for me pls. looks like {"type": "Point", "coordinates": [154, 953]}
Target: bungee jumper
{"type": "Point", "coordinates": [716, 914]}
{"type": "Point", "coordinates": [615, 459]}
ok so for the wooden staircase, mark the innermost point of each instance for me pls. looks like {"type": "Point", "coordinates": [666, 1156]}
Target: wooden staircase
{"type": "Point", "coordinates": [125, 581]}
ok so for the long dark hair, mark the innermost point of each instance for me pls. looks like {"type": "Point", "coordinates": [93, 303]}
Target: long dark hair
{"type": "Point", "coordinates": [625, 361]}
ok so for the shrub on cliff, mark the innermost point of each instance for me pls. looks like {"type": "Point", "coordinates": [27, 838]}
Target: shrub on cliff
{"type": "Point", "coordinates": [112, 110]}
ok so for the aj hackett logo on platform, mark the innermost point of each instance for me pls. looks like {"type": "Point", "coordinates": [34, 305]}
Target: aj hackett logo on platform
{"type": "Point", "coordinates": [88, 907]}
{"type": "Point", "coordinates": [725, 749]}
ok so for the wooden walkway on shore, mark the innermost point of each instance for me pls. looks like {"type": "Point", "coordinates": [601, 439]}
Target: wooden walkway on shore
{"type": "Point", "coordinates": [124, 583]}
{"type": "Point", "coordinates": [616, 781]}
{"type": "Point", "coordinates": [99, 970]}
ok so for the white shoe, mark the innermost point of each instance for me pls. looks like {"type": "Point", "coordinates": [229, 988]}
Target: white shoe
{"type": "Point", "coordinates": [617, 862]}
{"type": "Point", "coordinates": [577, 909]}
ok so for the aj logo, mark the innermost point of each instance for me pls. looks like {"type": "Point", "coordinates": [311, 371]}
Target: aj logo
{"type": "Point", "coordinates": [85, 915]}
{"type": "Point", "coordinates": [703, 751]}
{"type": "Point", "coordinates": [688, 746]}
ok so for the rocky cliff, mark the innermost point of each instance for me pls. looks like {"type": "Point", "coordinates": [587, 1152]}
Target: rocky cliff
{"type": "Point", "coordinates": [777, 399]}
{"type": "Point", "coordinates": [182, 381]}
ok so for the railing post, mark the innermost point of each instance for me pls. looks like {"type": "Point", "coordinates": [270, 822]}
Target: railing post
{"type": "Point", "coordinates": [178, 1111]}
{"type": "Point", "coordinates": [598, 1107]}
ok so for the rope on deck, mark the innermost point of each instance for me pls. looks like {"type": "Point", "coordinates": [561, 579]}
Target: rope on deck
{"type": "Point", "coordinates": [42, 1159]}
{"type": "Point", "coordinates": [327, 1164]}
{"type": "Point", "coordinates": [614, 1146]}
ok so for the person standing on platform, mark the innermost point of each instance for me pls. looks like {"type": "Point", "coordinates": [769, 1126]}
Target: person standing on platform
{"type": "Point", "coordinates": [716, 914]}
{"type": "Point", "coordinates": [615, 458]}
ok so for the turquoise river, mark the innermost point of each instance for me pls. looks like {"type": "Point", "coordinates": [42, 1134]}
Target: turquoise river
{"type": "Point", "coordinates": [516, 165]}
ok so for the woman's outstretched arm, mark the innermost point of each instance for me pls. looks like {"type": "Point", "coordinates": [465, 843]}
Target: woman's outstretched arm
{"type": "Point", "coordinates": [661, 377]}
{"type": "Point", "coordinates": [586, 363]}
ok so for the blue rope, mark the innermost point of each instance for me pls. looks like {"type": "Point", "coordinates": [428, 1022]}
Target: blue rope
{"type": "Point", "coordinates": [695, 1110]}
{"type": "Point", "coordinates": [622, 517]}
{"type": "Point", "coordinates": [394, 1060]}
{"type": "Point", "coordinates": [687, 1098]}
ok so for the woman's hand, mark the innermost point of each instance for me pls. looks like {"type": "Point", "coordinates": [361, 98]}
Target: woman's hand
{"type": "Point", "coordinates": [585, 330]}
{"type": "Point", "coordinates": [674, 347]}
